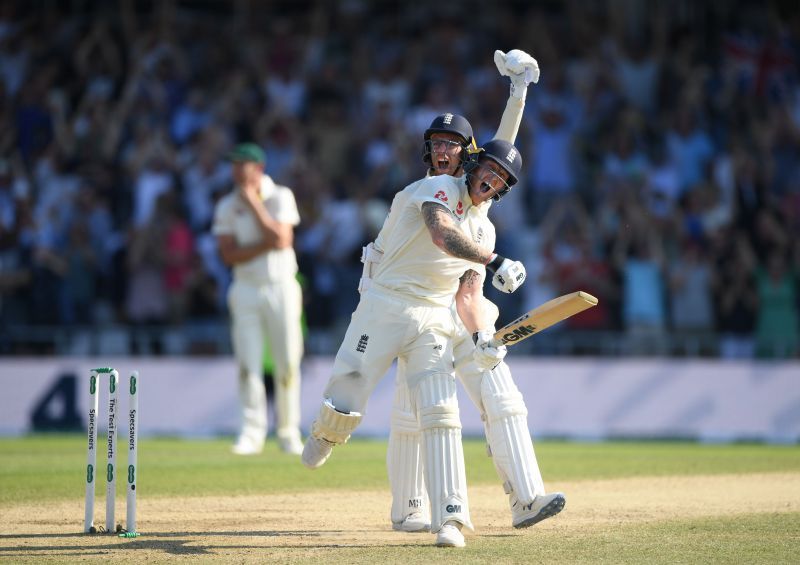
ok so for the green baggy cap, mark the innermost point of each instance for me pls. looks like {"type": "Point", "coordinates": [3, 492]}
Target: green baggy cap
{"type": "Point", "coordinates": [245, 152]}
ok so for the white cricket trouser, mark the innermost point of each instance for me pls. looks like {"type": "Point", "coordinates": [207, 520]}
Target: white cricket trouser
{"type": "Point", "coordinates": [271, 311]}
{"type": "Point", "coordinates": [386, 326]}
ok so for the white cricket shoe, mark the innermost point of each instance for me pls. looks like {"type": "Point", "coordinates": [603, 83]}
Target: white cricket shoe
{"type": "Point", "coordinates": [247, 446]}
{"type": "Point", "coordinates": [543, 506]}
{"type": "Point", "coordinates": [415, 522]}
{"type": "Point", "coordinates": [316, 452]}
{"type": "Point", "coordinates": [291, 445]}
{"type": "Point", "coordinates": [450, 535]}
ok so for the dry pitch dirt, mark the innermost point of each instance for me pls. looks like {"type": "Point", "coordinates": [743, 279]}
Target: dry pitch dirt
{"type": "Point", "coordinates": [309, 525]}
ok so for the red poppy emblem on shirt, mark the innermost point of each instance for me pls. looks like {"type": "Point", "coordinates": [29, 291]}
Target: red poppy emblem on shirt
{"type": "Point", "coordinates": [441, 196]}
{"type": "Point", "coordinates": [459, 208]}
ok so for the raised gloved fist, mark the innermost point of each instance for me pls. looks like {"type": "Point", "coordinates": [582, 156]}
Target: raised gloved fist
{"type": "Point", "coordinates": [519, 62]}
{"type": "Point", "coordinates": [520, 67]}
{"type": "Point", "coordinates": [508, 275]}
{"type": "Point", "coordinates": [486, 355]}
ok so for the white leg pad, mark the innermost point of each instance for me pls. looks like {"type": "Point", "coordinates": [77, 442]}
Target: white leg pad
{"type": "Point", "coordinates": [333, 426]}
{"type": "Point", "coordinates": [404, 458]}
{"type": "Point", "coordinates": [443, 454]}
{"type": "Point", "coordinates": [508, 434]}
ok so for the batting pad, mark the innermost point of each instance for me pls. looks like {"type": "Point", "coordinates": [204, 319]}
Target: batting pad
{"type": "Point", "coordinates": [508, 434]}
{"type": "Point", "coordinates": [404, 458]}
{"type": "Point", "coordinates": [443, 454]}
{"type": "Point", "coordinates": [333, 426]}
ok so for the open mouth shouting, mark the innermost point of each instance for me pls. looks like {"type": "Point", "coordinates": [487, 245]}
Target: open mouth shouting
{"type": "Point", "coordinates": [442, 163]}
{"type": "Point", "coordinates": [444, 154]}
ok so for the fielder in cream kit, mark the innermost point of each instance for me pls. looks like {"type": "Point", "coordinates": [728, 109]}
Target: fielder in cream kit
{"type": "Point", "coordinates": [254, 229]}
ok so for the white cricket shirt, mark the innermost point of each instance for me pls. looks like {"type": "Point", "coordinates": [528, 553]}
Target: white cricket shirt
{"type": "Point", "coordinates": [412, 264]}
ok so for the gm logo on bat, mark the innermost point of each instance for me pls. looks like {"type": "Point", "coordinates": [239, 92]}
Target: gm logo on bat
{"type": "Point", "coordinates": [519, 333]}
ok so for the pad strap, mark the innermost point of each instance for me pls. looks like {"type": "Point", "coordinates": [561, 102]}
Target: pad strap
{"type": "Point", "coordinates": [404, 422]}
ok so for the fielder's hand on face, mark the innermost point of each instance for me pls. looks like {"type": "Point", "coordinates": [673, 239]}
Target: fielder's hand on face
{"type": "Point", "coordinates": [508, 275]}
{"type": "Point", "coordinates": [486, 355]}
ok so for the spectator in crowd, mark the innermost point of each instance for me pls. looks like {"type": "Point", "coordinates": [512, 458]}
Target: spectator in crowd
{"type": "Point", "coordinates": [687, 127]}
{"type": "Point", "coordinates": [16, 267]}
{"type": "Point", "coordinates": [734, 287]}
{"type": "Point", "coordinates": [78, 273]}
{"type": "Point", "coordinates": [146, 300]}
{"type": "Point", "coordinates": [640, 258]}
{"type": "Point", "coordinates": [690, 295]}
{"type": "Point", "coordinates": [203, 177]}
{"type": "Point", "coordinates": [777, 326]}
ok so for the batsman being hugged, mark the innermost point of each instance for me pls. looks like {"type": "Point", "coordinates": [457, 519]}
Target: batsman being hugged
{"type": "Point", "coordinates": [426, 246]}
{"type": "Point", "coordinates": [488, 382]}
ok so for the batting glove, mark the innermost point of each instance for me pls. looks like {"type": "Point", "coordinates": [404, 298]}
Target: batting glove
{"type": "Point", "coordinates": [486, 355]}
{"type": "Point", "coordinates": [520, 67]}
{"type": "Point", "coordinates": [508, 275]}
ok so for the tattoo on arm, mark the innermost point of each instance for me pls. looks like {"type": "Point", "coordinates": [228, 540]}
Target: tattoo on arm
{"type": "Point", "coordinates": [448, 237]}
{"type": "Point", "coordinates": [470, 278]}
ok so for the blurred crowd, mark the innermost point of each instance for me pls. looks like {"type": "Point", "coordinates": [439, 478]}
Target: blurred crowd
{"type": "Point", "coordinates": [661, 153]}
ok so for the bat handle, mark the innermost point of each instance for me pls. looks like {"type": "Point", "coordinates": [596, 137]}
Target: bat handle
{"type": "Point", "coordinates": [496, 340]}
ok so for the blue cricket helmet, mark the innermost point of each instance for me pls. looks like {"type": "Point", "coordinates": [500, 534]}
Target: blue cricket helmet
{"type": "Point", "coordinates": [449, 123]}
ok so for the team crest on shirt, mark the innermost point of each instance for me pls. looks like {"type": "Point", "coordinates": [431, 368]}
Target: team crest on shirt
{"type": "Point", "coordinates": [441, 196]}
{"type": "Point", "coordinates": [459, 208]}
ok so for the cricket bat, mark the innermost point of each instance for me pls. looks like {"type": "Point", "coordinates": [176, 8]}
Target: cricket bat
{"type": "Point", "coordinates": [544, 316]}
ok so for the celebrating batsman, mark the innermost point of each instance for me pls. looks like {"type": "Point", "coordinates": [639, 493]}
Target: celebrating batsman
{"type": "Point", "coordinates": [405, 314]}
{"type": "Point", "coordinates": [489, 384]}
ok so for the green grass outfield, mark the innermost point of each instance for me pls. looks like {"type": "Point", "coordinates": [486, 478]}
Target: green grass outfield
{"type": "Point", "coordinates": [52, 467]}
{"type": "Point", "coordinates": [47, 468]}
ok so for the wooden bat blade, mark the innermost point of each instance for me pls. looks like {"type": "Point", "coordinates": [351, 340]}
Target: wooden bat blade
{"type": "Point", "coordinates": [544, 316]}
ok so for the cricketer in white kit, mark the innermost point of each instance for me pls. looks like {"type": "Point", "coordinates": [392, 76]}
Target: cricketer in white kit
{"type": "Point", "coordinates": [491, 388]}
{"type": "Point", "coordinates": [254, 226]}
{"type": "Point", "coordinates": [405, 314]}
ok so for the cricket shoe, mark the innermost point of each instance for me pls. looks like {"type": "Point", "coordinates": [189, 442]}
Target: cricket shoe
{"type": "Point", "coordinates": [543, 506]}
{"type": "Point", "coordinates": [415, 522]}
{"type": "Point", "coordinates": [450, 535]}
{"type": "Point", "coordinates": [316, 452]}
{"type": "Point", "coordinates": [246, 446]}
{"type": "Point", "coordinates": [291, 445]}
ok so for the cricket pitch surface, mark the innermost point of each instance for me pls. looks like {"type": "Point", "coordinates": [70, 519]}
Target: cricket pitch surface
{"type": "Point", "coordinates": [344, 526]}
